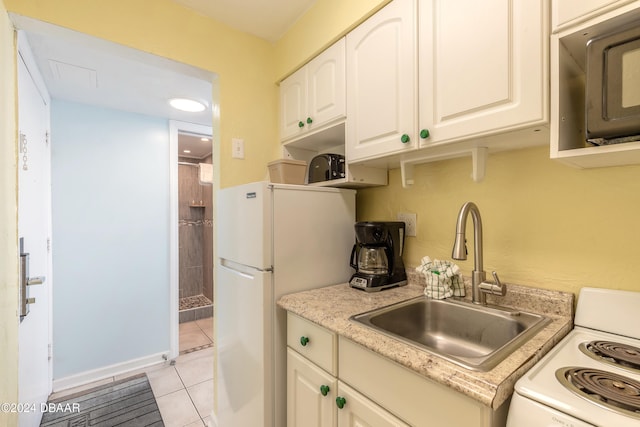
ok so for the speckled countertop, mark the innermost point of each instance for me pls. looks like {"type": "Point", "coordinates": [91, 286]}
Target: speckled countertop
{"type": "Point", "coordinates": [332, 306]}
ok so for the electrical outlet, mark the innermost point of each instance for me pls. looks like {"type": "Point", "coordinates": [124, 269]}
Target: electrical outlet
{"type": "Point", "coordinates": [410, 220]}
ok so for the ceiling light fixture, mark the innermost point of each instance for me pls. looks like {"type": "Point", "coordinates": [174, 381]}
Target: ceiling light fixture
{"type": "Point", "coordinates": [189, 105]}
{"type": "Point", "coordinates": [203, 139]}
{"type": "Point", "coordinates": [186, 151]}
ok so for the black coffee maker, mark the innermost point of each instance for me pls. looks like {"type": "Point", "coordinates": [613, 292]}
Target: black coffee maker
{"type": "Point", "coordinates": [377, 256]}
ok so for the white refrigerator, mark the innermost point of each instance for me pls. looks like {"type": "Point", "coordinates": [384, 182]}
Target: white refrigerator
{"type": "Point", "coordinates": [272, 239]}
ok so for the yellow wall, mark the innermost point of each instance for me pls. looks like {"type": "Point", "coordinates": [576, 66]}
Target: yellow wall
{"type": "Point", "coordinates": [545, 224]}
{"type": "Point", "coordinates": [325, 22]}
{"type": "Point", "coordinates": [8, 223]}
{"type": "Point", "coordinates": [248, 93]}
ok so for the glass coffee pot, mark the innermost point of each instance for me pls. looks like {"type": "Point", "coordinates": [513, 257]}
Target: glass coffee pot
{"type": "Point", "coordinates": [373, 260]}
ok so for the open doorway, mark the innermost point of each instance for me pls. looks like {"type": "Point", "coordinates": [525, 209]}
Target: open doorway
{"type": "Point", "coordinates": [118, 207]}
{"type": "Point", "coordinates": [192, 259]}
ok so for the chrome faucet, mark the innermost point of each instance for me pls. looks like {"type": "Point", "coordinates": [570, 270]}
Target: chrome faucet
{"type": "Point", "coordinates": [479, 287]}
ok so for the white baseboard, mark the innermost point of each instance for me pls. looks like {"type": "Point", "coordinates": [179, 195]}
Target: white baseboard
{"type": "Point", "coordinates": [87, 377]}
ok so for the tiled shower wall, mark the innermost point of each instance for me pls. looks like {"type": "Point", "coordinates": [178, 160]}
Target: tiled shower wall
{"type": "Point", "coordinates": [195, 214]}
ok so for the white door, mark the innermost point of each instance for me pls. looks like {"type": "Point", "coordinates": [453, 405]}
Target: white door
{"type": "Point", "coordinates": [34, 225]}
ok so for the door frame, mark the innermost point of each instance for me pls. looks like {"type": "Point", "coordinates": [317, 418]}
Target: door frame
{"type": "Point", "coordinates": [176, 126]}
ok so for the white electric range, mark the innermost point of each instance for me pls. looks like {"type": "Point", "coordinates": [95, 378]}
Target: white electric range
{"type": "Point", "coordinates": [592, 377]}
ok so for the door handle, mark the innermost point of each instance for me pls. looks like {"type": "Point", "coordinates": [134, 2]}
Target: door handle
{"type": "Point", "coordinates": [38, 280]}
{"type": "Point", "coordinates": [25, 281]}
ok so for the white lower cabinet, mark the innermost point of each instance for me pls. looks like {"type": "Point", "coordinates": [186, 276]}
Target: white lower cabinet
{"type": "Point", "coordinates": [356, 387]}
{"type": "Point", "coordinates": [317, 399]}
{"type": "Point", "coordinates": [311, 394]}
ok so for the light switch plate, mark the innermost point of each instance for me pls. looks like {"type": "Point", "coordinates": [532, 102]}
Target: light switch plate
{"type": "Point", "coordinates": [410, 219]}
{"type": "Point", "coordinates": [237, 148]}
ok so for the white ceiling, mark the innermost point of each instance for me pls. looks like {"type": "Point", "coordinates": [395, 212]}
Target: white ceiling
{"type": "Point", "coordinates": [88, 70]}
{"type": "Point", "coordinates": [267, 19]}
{"type": "Point", "coordinates": [85, 69]}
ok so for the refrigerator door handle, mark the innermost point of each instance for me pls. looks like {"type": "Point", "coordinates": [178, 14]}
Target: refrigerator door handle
{"type": "Point", "coordinates": [245, 270]}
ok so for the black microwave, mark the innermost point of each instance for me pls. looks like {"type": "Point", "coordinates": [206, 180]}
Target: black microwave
{"type": "Point", "coordinates": [612, 94]}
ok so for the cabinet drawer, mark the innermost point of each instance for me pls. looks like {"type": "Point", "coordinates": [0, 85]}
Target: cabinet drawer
{"type": "Point", "coordinates": [409, 396]}
{"type": "Point", "coordinates": [313, 342]}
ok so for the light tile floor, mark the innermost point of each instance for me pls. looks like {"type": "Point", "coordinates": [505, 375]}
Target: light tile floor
{"type": "Point", "coordinates": [184, 390]}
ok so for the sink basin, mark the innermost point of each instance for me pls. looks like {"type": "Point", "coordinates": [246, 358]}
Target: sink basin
{"type": "Point", "coordinates": [473, 336]}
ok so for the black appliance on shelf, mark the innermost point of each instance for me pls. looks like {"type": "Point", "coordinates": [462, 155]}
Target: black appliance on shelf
{"type": "Point", "coordinates": [325, 167]}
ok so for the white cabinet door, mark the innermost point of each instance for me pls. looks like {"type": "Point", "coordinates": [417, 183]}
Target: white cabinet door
{"type": "Point", "coordinates": [483, 67]}
{"type": "Point", "coordinates": [311, 394]}
{"type": "Point", "coordinates": [293, 104]}
{"type": "Point", "coordinates": [326, 87]}
{"type": "Point", "coordinates": [314, 96]}
{"type": "Point", "coordinates": [381, 83]}
{"type": "Point", "coordinates": [358, 411]}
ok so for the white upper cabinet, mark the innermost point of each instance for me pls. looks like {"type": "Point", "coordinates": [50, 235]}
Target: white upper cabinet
{"type": "Point", "coordinates": [438, 72]}
{"type": "Point", "coordinates": [314, 96]}
{"type": "Point", "coordinates": [381, 83]}
{"type": "Point", "coordinates": [483, 67]}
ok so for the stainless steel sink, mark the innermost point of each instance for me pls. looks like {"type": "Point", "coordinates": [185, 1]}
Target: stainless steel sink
{"type": "Point", "coordinates": [473, 336]}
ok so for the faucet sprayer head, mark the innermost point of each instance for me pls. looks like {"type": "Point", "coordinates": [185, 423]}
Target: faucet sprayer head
{"type": "Point", "coordinates": [460, 247]}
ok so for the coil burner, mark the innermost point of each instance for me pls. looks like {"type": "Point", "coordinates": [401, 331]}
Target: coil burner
{"type": "Point", "coordinates": [614, 353]}
{"type": "Point", "coordinates": [606, 389]}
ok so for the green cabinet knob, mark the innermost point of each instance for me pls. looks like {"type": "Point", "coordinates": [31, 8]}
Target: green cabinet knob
{"type": "Point", "coordinates": [304, 341]}
{"type": "Point", "coordinates": [324, 390]}
{"type": "Point", "coordinates": [309, 121]}
{"type": "Point", "coordinates": [424, 133]}
{"type": "Point", "coordinates": [341, 401]}
{"type": "Point", "coordinates": [405, 138]}
{"type": "Point", "coordinates": [300, 124]}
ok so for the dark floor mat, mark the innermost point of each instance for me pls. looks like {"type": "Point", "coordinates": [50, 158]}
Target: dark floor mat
{"type": "Point", "coordinates": [129, 402]}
